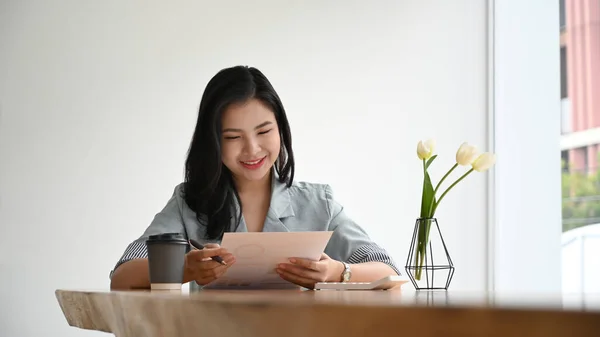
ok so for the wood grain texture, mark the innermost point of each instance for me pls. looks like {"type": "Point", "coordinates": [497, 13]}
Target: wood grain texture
{"type": "Point", "coordinates": [320, 313]}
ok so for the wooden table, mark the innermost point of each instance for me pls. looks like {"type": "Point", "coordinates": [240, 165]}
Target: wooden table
{"type": "Point", "coordinates": [328, 313]}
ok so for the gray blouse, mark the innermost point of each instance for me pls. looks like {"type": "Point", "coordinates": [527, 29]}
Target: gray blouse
{"type": "Point", "coordinates": [300, 207]}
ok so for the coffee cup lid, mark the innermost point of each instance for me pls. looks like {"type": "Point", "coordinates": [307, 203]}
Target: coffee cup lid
{"type": "Point", "coordinates": [167, 237]}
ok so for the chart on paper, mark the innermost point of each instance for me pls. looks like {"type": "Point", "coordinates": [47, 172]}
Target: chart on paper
{"type": "Point", "coordinates": [258, 253]}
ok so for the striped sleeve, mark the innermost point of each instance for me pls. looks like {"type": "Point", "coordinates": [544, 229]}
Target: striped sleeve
{"type": "Point", "coordinates": [136, 250]}
{"type": "Point", "coordinates": [373, 253]}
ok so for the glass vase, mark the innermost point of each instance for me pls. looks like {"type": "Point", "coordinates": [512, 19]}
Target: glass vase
{"type": "Point", "coordinates": [429, 265]}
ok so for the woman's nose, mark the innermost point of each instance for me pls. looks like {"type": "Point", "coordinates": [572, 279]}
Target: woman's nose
{"type": "Point", "coordinates": [252, 147]}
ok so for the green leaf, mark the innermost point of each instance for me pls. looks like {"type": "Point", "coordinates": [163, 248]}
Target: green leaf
{"type": "Point", "coordinates": [427, 199]}
{"type": "Point", "coordinates": [430, 161]}
{"type": "Point", "coordinates": [427, 196]}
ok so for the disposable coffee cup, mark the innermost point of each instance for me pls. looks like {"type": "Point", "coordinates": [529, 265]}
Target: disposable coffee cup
{"type": "Point", "coordinates": [166, 260]}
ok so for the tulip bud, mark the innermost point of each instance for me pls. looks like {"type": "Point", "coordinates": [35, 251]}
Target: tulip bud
{"type": "Point", "coordinates": [466, 154]}
{"type": "Point", "coordinates": [484, 162]}
{"type": "Point", "coordinates": [425, 149]}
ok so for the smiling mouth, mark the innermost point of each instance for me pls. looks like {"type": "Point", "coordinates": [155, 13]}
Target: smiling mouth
{"type": "Point", "coordinates": [253, 162]}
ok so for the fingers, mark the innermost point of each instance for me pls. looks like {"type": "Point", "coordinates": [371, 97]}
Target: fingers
{"type": "Point", "coordinates": [302, 272]}
{"type": "Point", "coordinates": [209, 275]}
{"type": "Point", "coordinates": [207, 271]}
{"type": "Point", "coordinates": [296, 279]}
{"type": "Point", "coordinates": [208, 253]}
{"type": "Point", "coordinates": [228, 258]}
{"type": "Point", "coordinates": [309, 264]}
{"type": "Point", "coordinates": [196, 259]}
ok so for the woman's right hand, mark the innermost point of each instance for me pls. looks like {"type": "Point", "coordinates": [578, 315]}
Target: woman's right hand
{"type": "Point", "coordinates": [201, 268]}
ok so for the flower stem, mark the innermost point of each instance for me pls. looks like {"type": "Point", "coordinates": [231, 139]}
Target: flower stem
{"type": "Point", "coordinates": [444, 177]}
{"type": "Point", "coordinates": [424, 180]}
{"type": "Point", "coordinates": [421, 233]}
{"type": "Point", "coordinates": [449, 188]}
{"type": "Point", "coordinates": [424, 225]}
{"type": "Point", "coordinates": [430, 213]}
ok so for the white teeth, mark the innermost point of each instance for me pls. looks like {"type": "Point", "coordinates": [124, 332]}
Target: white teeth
{"type": "Point", "coordinates": [252, 162]}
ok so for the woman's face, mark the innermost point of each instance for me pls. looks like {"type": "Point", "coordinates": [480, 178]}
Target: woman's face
{"type": "Point", "coordinates": [250, 139]}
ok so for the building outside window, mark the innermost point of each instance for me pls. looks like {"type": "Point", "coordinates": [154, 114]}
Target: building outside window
{"type": "Point", "coordinates": [580, 144]}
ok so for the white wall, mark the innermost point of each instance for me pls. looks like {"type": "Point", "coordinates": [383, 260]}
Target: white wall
{"type": "Point", "coordinates": [98, 101]}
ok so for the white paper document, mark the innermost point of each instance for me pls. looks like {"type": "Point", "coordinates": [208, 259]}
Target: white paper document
{"type": "Point", "coordinates": [258, 253]}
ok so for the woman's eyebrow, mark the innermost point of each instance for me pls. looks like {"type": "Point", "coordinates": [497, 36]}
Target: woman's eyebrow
{"type": "Point", "coordinates": [263, 124]}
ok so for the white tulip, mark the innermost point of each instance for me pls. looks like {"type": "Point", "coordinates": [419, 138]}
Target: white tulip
{"type": "Point", "coordinates": [425, 149]}
{"type": "Point", "coordinates": [484, 162]}
{"type": "Point", "coordinates": [466, 154]}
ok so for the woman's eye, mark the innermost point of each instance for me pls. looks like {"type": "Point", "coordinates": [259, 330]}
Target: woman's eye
{"type": "Point", "coordinates": [232, 137]}
{"type": "Point", "coordinates": [263, 132]}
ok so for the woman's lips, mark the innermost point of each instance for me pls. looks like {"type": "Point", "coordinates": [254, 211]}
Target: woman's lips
{"type": "Point", "coordinates": [253, 164]}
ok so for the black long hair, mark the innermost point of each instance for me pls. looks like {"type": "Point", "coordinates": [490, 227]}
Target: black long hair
{"type": "Point", "coordinates": [209, 189]}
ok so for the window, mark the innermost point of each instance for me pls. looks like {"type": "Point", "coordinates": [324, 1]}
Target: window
{"type": "Point", "coordinates": [563, 73]}
{"type": "Point", "coordinates": [580, 40]}
{"type": "Point", "coordinates": [562, 14]}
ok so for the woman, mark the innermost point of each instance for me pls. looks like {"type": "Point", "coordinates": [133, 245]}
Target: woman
{"type": "Point", "coordinates": [239, 177]}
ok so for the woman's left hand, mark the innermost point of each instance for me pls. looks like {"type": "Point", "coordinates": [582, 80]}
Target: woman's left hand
{"type": "Point", "coordinates": [306, 273]}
